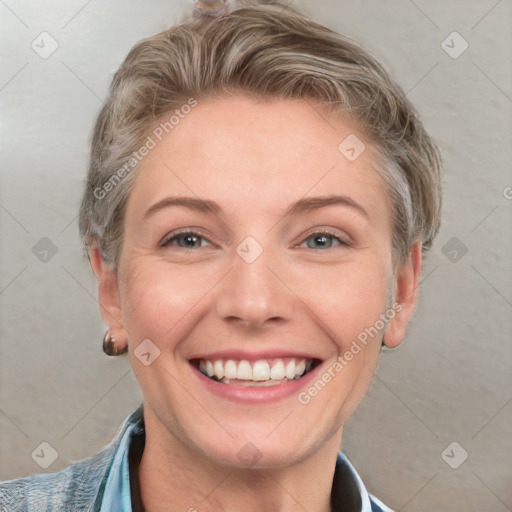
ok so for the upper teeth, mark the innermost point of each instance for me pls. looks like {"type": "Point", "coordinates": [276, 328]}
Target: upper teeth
{"type": "Point", "coordinates": [260, 370]}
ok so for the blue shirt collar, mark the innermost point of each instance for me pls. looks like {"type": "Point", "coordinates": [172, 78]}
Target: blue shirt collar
{"type": "Point", "coordinates": [117, 493]}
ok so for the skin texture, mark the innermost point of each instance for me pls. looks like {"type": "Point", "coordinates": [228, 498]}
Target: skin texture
{"type": "Point", "coordinates": [254, 158]}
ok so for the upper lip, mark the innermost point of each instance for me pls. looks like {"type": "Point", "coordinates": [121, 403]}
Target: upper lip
{"type": "Point", "coordinates": [239, 355]}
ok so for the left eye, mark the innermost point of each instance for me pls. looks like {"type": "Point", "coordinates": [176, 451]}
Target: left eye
{"type": "Point", "coordinates": [185, 240]}
{"type": "Point", "coordinates": [323, 241]}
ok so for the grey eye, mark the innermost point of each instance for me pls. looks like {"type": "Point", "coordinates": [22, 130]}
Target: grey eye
{"type": "Point", "coordinates": [323, 241]}
{"type": "Point", "coordinates": [186, 240]}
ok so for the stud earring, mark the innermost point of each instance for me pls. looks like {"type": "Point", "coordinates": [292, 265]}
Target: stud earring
{"type": "Point", "coordinates": [385, 348]}
{"type": "Point", "coordinates": [109, 345]}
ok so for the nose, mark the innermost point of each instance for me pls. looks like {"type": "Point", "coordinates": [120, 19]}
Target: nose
{"type": "Point", "coordinates": [254, 294]}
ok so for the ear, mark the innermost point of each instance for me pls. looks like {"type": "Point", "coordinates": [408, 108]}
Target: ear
{"type": "Point", "coordinates": [407, 289]}
{"type": "Point", "coordinates": [108, 294]}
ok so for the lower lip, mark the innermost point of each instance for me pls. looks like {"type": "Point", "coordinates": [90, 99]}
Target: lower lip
{"type": "Point", "coordinates": [255, 394]}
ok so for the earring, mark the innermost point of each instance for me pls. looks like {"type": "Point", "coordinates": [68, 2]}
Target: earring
{"type": "Point", "coordinates": [109, 345]}
{"type": "Point", "coordinates": [385, 348]}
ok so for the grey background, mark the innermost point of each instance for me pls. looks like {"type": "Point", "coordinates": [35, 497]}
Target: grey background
{"type": "Point", "coordinates": [450, 381]}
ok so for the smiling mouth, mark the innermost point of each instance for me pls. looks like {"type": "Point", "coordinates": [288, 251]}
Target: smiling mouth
{"type": "Point", "coordinates": [264, 372]}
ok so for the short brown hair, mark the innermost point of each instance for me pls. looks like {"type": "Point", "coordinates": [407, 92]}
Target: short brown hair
{"type": "Point", "coordinates": [270, 52]}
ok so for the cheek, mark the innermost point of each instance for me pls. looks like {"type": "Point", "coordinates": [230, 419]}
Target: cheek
{"type": "Point", "coordinates": [157, 299]}
{"type": "Point", "coordinates": [348, 299]}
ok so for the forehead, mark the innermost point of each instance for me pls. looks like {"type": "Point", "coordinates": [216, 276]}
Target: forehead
{"type": "Point", "coordinates": [259, 155]}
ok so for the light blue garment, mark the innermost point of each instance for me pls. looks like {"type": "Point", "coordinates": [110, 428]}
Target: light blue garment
{"type": "Point", "coordinates": [117, 486]}
{"type": "Point", "coordinates": [102, 483]}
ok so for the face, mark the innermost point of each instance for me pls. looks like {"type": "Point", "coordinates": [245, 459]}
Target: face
{"type": "Point", "coordinates": [255, 250]}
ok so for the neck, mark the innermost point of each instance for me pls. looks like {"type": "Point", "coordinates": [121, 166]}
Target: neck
{"type": "Point", "coordinates": [172, 475]}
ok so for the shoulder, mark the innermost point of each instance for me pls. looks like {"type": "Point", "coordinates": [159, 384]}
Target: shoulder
{"type": "Point", "coordinates": [74, 487]}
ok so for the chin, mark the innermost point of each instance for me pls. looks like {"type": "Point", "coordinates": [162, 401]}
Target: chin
{"type": "Point", "coordinates": [261, 446]}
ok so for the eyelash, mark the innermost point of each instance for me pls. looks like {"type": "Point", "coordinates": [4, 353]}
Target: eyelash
{"type": "Point", "coordinates": [200, 235]}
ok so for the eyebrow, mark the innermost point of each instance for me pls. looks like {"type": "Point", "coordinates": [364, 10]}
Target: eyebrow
{"type": "Point", "coordinates": [200, 205]}
{"type": "Point", "coordinates": [300, 206]}
{"type": "Point", "coordinates": [313, 203]}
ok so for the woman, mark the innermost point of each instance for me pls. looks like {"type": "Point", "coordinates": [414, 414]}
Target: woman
{"type": "Point", "coordinates": [258, 200]}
